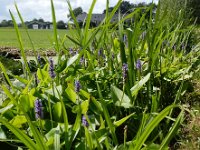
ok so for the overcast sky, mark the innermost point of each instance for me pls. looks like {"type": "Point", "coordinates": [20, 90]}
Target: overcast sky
{"type": "Point", "coordinates": [31, 9]}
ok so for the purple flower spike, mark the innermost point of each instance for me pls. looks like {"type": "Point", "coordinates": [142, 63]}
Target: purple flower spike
{"type": "Point", "coordinates": [138, 64]}
{"type": "Point", "coordinates": [77, 86]}
{"type": "Point", "coordinates": [125, 71]}
{"type": "Point", "coordinates": [82, 60]}
{"type": "Point", "coordinates": [71, 51]}
{"type": "Point", "coordinates": [100, 52]}
{"type": "Point", "coordinates": [39, 58]}
{"type": "Point", "coordinates": [38, 109]}
{"type": "Point", "coordinates": [51, 68]}
{"type": "Point", "coordinates": [84, 121]}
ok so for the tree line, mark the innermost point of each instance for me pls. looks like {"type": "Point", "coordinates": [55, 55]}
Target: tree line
{"type": "Point", "coordinates": [9, 23]}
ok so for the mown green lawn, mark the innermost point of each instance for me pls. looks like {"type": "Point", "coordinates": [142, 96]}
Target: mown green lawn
{"type": "Point", "coordinates": [42, 39]}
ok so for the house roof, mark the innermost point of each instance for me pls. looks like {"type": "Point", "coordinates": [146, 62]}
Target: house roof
{"type": "Point", "coordinates": [39, 23]}
{"type": "Point", "coordinates": [95, 17]}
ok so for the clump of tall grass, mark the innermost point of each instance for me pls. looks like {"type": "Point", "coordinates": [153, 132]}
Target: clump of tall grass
{"type": "Point", "coordinates": [111, 94]}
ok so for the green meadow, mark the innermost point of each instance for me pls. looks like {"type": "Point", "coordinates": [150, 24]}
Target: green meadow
{"type": "Point", "coordinates": [42, 39]}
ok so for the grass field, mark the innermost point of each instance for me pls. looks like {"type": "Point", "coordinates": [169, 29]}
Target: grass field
{"type": "Point", "coordinates": [42, 39]}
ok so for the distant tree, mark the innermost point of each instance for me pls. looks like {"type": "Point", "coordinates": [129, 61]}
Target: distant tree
{"type": "Point", "coordinates": [41, 20]}
{"type": "Point", "coordinates": [109, 10]}
{"type": "Point", "coordinates": [35, 19]}
{"type": "Point", "coordinates": [61, 25]}
{"type": "Point", "coordinates": [76, 12]}
{"type": "Point", "coordinates": [4, 23]}
{"type": "Point", "coordinates": [126, 6]}
{"type": "Point", "coordinates": [10, 23]}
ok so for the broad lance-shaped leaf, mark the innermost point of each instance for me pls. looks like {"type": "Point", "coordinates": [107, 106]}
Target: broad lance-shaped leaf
{"type": "Point", "coordinates": [121, 121]}
{"type": "Point", "coordinates": [4, 109]}
{"type": "Point", "coordinates": [57, 138]}
{"type": "Point", "coordinates": [84, 106]}
{"type": "Point", "coordinates": [139, 85]}
{"type": "Point", "coordinates": [72, 60]}
{"type": "Point", "coordinates": [122, 99]}
{"type": "Point", "coordinates": [71, 94]}
{"type": "Point", "coordinates": [55, 92]}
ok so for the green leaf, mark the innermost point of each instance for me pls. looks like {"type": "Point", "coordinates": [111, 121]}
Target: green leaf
{"type": "Point", "coordinates": [85, 94]}
{"type": "Point", "coordinates": [20, 43]}
{"type": "Point", "coordinates": [154, 147]}
{"type": "Point", "coordinates": [6, 75]}
{"type": "Point", "coordinates": [2, 134]}
{"type": "Point", "coordinates": [25, 102]}
{"type": "Point", "coordinates": [172, 131]}
{"type": "Point", "coordinates": [55, 92]}
{"type": "Point", "coordinates": [71, 94]}
{"type": "Point", "coordinates": [21, 135]}
{"type": "Point", "coordinates": [72, 60]}
{"type": "Point", "coordinates": [121, 121]}
{"type": "Point", "coordinates": [122, 98]}
{"type": "Point", "coordinates": [57, 111]}
{"type": "Point", "coordinates": [88, 138]}
{"type": "Point", "coordinates": [4, 109]}
{"type": "Point", "coordinates": [54, 26]}
{"type": "Point", "coordinates": [151, 126]}
{"type": "Point", "coordinates": [139, 85]}
{"type": "Point", "coordinates": [84, 106]}
{"type": "Point", "coordinates": [18, 121]}
{"type": "Point", "coordinates": [57, 138]}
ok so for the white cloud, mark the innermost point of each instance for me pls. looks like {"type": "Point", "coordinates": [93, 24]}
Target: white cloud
{"type": "Point", "coordinates": [41, 8]}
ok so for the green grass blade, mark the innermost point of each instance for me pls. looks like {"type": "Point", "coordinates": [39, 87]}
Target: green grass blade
{"type": "Point", "coordinates": [21, 135]}
{"type": "Point", "coordinates": [139, 85]}
{"type": "Point", "coordinates": [89, 16]}
{"type": "Point", "coordinates": [24, 26]}
{"type": "Point", "coordinates": [107, 116]}
{"type": "Point", "coordinates": [172, 131]}
{"type": "Point", "coordinates": [54, 27]}
{"type": "Point", "coordinates": [152, 125]}
{"type": "Point", "coordinates": [20, 43]}
{"type": "Point", "coordinates": [74, 18]}
{"type": "Point", "coordinates": [66, 124]}
{"type": "Point", "coordinates": [121, 121]}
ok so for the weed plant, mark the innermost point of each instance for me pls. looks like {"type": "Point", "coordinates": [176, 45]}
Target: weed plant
{"type": "Point", "coordinates": [120, 87]}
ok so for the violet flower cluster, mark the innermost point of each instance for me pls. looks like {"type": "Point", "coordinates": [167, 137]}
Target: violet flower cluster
{"type": "Point", "coordinates": [138, 64]}
{"type": "Point", "coordinates": [125, 71]}
{"type": "Point", "coordinates": [51, 68]}
{"type": "Point", "coordinates": [77, 86]}
{"type": "Point", "coordinates": [84, 121]}
{"type": "Point", "coordinates": [38, 109]}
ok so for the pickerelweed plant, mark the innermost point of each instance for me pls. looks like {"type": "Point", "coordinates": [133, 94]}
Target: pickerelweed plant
{"type": "Point", "coordinates": [126, 95]}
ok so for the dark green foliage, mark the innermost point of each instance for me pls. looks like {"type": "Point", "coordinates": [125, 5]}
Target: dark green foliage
{"type": "Point", "coordinates": [194, 7]}
{"type": "Point", "coordinates": [6, 23]}
{"type": "Point", "coordinates": [61, 25]}
{"type": "Point", "coordinates": [14, 66]}
{"type": "Point", "coordinates": [32, 66]}
{"type": "Point", "coordinates": [76, 12]}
